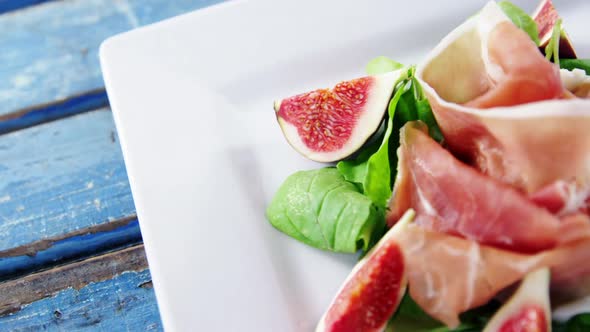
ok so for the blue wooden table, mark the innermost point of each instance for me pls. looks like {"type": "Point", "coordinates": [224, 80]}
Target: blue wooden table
{"type": "Point", "coordinates": [71, 253]}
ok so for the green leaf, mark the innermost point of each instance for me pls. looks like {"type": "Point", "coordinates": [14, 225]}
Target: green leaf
{"type": "Point", "coordinates": [382, 64]}
{"type": "Point", "coordinates": [521, 19]}
{"type": "Point", "coordinates": [571, 64]}
{"type": "Point", "coordinates": [415, 106]}
{"type": "Point", "coordinates": [411, 318]}
{"type": "Point", "coordinates": [578, 323]}
{"type": "Point", "coordinates": [372, 170]}
{"type": "Point", "coordinates": [322, 209]}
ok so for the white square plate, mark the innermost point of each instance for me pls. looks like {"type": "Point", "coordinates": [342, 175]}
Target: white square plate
{"type": "Point", "coordinates": [192, 99]}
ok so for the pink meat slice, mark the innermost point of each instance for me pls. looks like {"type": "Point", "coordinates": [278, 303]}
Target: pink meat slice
{"type": "Point", "coordinates": [564, 198]}
{"type": "Point", "coordinates": [504, 112]}
{"type": "Point", "coordinates": [526, 76]}
{"type": "Point", "coordinates": [448, 275]}
{"type": "Point", "coordinates": [459, 200]}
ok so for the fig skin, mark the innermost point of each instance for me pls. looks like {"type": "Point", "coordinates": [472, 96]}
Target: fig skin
{"type": "Point", "coordinates": [329, 125]}
{"type": "Point", "coordinates": [528, 309]}
{"type": "Point", "coordinates": [372, 292]}
{"type": "Point", "coordinates": [546, 16]}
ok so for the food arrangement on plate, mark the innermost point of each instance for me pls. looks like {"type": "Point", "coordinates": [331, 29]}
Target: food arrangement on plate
{"type": "Point", "coordinates": [464, 181]}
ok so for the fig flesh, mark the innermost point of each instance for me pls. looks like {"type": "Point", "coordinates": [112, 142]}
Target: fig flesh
{"type": "Point", "coordinates": [546, 17]}
{"type": "Point", "coordinates": [372, 292]}
{"type": "Point", "coordinates": [328, 125]}
{"type": "Point", "coordinates": [528, 310]}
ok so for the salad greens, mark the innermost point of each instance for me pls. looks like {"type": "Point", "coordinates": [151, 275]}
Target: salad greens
{"type": "Point", "coordinates": [320, 208]}
{"type": "Point", "coordinates": [371, 170]}
{"type": "Point", "coordinates": [571, 64]}
{"type": "Point", "coordinates": [411, 318]}
{"type": "Point", "coordinates": [521, 19]}
{"type": "Point", "coordinates": [577, 323]}
{"type": "Point", "coordinates": [343, 208]}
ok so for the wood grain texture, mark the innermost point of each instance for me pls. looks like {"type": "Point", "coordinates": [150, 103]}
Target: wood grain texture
{"type": "Point", "coordinates": [69, 247]}
{"type": "Point", "coordinates": [111, 292]}
{"type": "Point", "coordinates": [60, 177]}
{"type": "Point", "coordinates": [50, 51]}
{"type": "Point", "coordinates": [38, 114]}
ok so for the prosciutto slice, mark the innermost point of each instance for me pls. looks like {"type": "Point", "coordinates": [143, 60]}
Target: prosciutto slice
{"type": "Point", "coordinates": [459, 200]}
{"type": "Point", "coordinates": [448, 275]}
{"type": "Point", "coordinates": [499, 105]}
{"type": "Point", "coordinates": [473, 236]}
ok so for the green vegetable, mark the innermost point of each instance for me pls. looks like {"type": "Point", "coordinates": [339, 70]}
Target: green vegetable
{"type": "Point", "coordinates": [578, 323]}
{"type": "Point", "coordinates": [552, 48]}
{"type": "Point", "coordinates": [372, 170]}
{"type": "Point", "coordinates": [382, 64]}
{"type": "Point", "coordinates": [411, 318]}
{"type": "Point", "coordinates": [571, 64]}
{"type": "Point", "coordinates": [413, 105]}
{"type": "Point", "coordinates": [320, 208]}
{"type": "Point", "coordinates": [521, 19]}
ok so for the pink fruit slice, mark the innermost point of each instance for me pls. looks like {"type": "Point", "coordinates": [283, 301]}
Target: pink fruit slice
{"type": "Point", "coordinates": [546, 16]}
{"type": "Point", "coordinates": [528, 310]}
{"type": "Point", "coordinates": [372, 292]}
{"type": "Point", "coordinates": [331, 124]}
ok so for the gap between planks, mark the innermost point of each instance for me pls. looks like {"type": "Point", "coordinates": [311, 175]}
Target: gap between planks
{"type": "Point", "coordinates": [15, 294]}
{"type": "Point", "coordinates": [66, 248]}
{"type": "Point", "coordinates": [40, 114]}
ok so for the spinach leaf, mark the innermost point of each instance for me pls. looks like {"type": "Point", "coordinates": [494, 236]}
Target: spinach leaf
{"type": "Point", "coordinates": [372, 170]}
{"type": "Point", "coordinates": [320, 208]}
{"type": "Point", "coordinates": [578, 323]}
{"type": "Point", "coordinates": [521, 19]}
{"type": "Point", "coordinates": [382, 64]}
{"type": "Point", "coordinates": [571, 64]}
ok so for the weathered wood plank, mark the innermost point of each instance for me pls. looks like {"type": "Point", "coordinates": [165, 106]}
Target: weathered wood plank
{"type": "Point", "coordinates": [50, 51]}
{"type": "Point", "coordinates": [68, 247]}
{"type": "Point", "coordinates": [9, 5]}
{"type": "Point", "coordinates": [38, 114]}
{"type": "Point", "coordinates": [60, 177]}
{"type": "Point", "coordinates": [111, 292]}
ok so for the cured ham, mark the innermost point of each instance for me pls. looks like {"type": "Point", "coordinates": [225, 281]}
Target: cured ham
{"type": "Point", "coordinates": [448, 275]}
{"type": "Point", "coordinates": [459, 200]}
{"type": "Point", "coordinates": [473, 236]}
{"type": "Point", "coordinates": [504, 112]}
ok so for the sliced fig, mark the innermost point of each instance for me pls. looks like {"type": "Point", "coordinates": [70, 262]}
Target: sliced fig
{"type": "Point", "coordinates": [373, 290]}
{"type": "Point", "coordinates": [331, 124]}
{"type": "Point", "coordinates": [546, 17]}
{"type": "Point", "coordinates": [528, 310]}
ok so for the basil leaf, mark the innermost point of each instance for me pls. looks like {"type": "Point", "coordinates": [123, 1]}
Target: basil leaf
{"type": "Point", "coordinates": [521, 19]}
{"type": "Point", "coordinates": [320, 208]}
{"type": "Point", "coordinates": [373, 174]}
{"type": "Point", "coordinates": [571, 64]}
{"type": "Point", "coordinates": [382, 64]}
